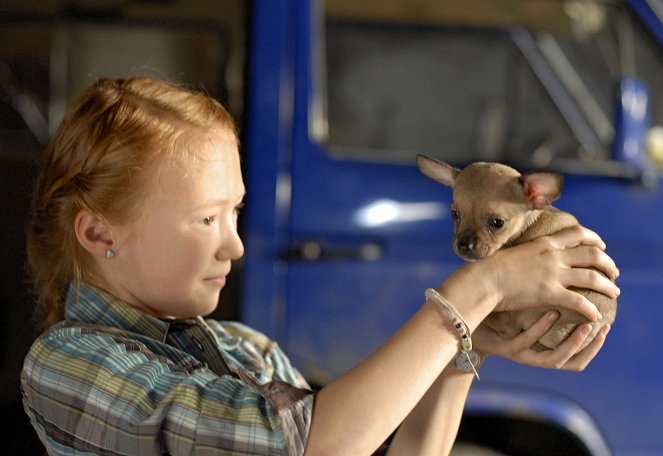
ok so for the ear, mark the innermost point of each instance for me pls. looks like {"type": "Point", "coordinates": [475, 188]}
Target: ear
{"type": "Point", "coordinates": [541, 189]}
{"type": "Point", "coordinates": [437, 170]}
{"type": "Point", "coordinates": [92, 233]}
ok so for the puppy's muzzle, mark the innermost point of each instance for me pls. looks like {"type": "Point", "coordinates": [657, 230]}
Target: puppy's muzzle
{"type": "Point", "coordinates": [466, 242]}
{"type": "Point", "coordinates": [469, 247]}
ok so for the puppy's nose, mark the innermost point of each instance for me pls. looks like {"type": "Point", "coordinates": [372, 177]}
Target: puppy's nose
{"type": "Point", "coordinates": [466, 242]}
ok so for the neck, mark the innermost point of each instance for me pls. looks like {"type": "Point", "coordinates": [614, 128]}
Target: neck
{"type": "Point", "coordinates": [531, 217]}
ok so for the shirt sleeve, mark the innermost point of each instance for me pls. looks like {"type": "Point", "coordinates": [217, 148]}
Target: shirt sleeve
{"type": "Point", "coordinates": [107, 394]}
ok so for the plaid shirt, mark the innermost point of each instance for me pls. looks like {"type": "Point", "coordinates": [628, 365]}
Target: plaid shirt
{"type": "Point", "coordinates": [110, 379]}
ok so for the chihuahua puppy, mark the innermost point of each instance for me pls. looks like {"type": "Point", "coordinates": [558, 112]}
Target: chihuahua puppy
{"type": "Point", "coordinates": [494, 206]}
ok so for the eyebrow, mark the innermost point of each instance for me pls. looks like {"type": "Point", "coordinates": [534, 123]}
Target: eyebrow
{"type": "Point", "coordinates": [219, 202]}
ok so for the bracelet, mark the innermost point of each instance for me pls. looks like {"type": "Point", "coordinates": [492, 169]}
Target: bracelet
{"type": "Point", "coordinates": [468, 358]}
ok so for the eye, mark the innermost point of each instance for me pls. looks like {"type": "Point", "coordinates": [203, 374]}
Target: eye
{"type": "Point", "coordinates": [239, 208]}
{"type": "Point", "coordinates": [496, 223]}
{"type": "Point", "coordinates": [455, 214]}
{"type": "Point", "coordinates": [207, 221]}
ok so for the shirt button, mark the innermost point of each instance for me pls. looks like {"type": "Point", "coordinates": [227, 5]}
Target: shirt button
{"type": "Point", "coordinates": [198, 344]}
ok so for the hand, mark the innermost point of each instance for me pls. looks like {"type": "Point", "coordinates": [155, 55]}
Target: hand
{"type": "Point", "coordinates": [564, 357]}
{"type": "Point", "coordinates": [541, 271]}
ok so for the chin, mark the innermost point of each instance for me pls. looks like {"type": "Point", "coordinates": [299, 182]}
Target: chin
{"type": "Point", "coordinates": [476, 255]}
{"type": "Point", "coordinates": [207, 310]}
{"type": "Point", "coordinates": [207, 305]}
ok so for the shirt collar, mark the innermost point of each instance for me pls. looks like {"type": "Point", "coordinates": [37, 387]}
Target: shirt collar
{"type": "Point", "coordinates": [89, 304]}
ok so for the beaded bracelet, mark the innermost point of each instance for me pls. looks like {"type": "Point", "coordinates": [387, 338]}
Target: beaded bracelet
{"type": "Point", "coordinates": [473, 359]}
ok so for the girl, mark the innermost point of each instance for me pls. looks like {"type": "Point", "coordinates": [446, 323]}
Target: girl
{"type": "Point", "coordinates": [133, 231]}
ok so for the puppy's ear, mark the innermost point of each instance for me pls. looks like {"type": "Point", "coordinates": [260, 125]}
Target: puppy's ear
{"type": "Point", "coordinates": [437, 170]}
{"type": "Point", "coordinates": [541, 189]}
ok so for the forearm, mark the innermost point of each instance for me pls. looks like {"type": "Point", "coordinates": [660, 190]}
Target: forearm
{"type": "Point", "coordinates": [355, 413]}
{"type": "Point", "coordinates": [431, 428]}
{"type": "Point", "coordinates": [359, 410]}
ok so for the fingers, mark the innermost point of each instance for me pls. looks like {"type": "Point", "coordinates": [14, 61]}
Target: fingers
{"type": "Point", "coordinates": [488, 342]}
{"type": "Point", "coordinates": [580, 361]}
{"type": "Point", "coordinates": [592, 257]}
{"type": "Point", "coordinates": [559, 357]}
{"type": "Point", "coordinates": [527, 338]}
{"type": "Point", "coordinates": [567, 357]}
{"type": "Point", "coordinates": [591, 279]}
{"type": "Point", "coordinates": [577, 235]}
{"type": "Point", "coordinates": [587, 249]}
{"type": "Point", "coordinates": [575, 301]}
{"type": "Point", "coordinates": [579, 276]}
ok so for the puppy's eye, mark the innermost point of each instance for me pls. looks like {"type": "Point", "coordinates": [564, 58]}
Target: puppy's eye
{"type": "Point", "coordinates": [496, 223]}
{"type": "Point", "coordinates": [455, 214]}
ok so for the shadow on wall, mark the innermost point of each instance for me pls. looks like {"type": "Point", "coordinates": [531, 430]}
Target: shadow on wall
{"type": "Point", "coordinates": [17, 329]}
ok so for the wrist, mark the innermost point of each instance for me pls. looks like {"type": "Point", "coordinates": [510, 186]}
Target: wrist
{"type": "Point", "coordinates": [473, 289]}
{"type": "Point", "coordinates": [467, 360]}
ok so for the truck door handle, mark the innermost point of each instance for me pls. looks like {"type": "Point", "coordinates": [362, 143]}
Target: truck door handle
{"type": "Point", "coordinates": [313, 250]}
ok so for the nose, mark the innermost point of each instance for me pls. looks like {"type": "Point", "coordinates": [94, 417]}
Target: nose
{"type": "Point", "coordinates": [466, 242]}
{"type": "Point", "coordinates": [236, 251]}
{"type": "Point", "coordinates": [231, 246]}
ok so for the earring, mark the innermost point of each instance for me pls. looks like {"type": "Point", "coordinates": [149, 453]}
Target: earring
{"type": "Point", "coordinates": [110, 253]}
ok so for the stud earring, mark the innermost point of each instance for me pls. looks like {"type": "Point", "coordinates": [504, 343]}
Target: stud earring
{"type": "Point", "coordinates": [110, 253]}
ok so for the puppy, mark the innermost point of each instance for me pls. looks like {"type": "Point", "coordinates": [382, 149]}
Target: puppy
{"type": "Point", "coordinates": [494, 206]}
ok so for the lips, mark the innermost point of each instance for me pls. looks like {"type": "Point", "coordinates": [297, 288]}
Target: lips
{"type": "Point", "coordinates": [218, 281]}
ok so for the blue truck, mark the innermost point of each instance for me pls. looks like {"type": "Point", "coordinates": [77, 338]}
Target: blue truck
{"type": "Point", "coordinates": [343, 234]}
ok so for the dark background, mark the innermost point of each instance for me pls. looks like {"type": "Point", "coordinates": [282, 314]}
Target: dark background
{"type": "Point", "coordinates": [49, 50]}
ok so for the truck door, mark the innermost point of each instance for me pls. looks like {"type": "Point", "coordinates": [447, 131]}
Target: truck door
{"type": "Point", "coordinates": [354, 233]}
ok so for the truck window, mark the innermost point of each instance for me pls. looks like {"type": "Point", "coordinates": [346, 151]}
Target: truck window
{"type": "Point", "coordinates": [463, 86]}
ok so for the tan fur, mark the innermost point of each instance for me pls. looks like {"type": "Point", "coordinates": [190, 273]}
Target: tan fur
{"type": "Point", "coordinates": [484, 192]}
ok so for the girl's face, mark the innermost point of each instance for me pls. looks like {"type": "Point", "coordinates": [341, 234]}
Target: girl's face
{"type": "Point", "coordinates": [173, 260]}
